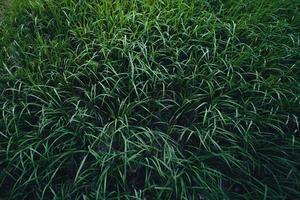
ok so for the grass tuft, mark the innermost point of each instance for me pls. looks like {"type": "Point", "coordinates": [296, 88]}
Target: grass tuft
{"type": "Point", "coordinates": [166, 99]}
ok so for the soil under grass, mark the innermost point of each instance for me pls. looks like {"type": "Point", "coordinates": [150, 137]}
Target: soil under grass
{"type": "Point", "coordinates": [166, 99]}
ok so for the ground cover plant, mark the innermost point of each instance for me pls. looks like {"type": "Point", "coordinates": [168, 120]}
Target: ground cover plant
{"type": "Point", "coordinates": [149, 99]}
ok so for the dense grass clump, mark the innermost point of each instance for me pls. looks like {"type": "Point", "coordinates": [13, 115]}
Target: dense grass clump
{"type": "Point", "coordinates": [150, 99]}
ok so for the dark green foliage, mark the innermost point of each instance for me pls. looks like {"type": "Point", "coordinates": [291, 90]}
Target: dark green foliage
{"type": "Point", "coordinates": [132, 99]}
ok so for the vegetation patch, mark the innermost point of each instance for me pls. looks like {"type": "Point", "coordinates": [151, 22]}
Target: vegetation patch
{"type": "Point", "coordinates": [145, 99]}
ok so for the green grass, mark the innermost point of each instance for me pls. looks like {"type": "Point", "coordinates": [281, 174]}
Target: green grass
{"type": "Point", "coordinates": [154, 99]}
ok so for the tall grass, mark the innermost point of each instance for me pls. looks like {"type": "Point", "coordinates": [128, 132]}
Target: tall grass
{"type": "Point", "coordinates": [166, 99]}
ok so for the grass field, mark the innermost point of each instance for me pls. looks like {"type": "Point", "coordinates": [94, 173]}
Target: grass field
{"type": "Point", "coordinates": [150, 99]}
